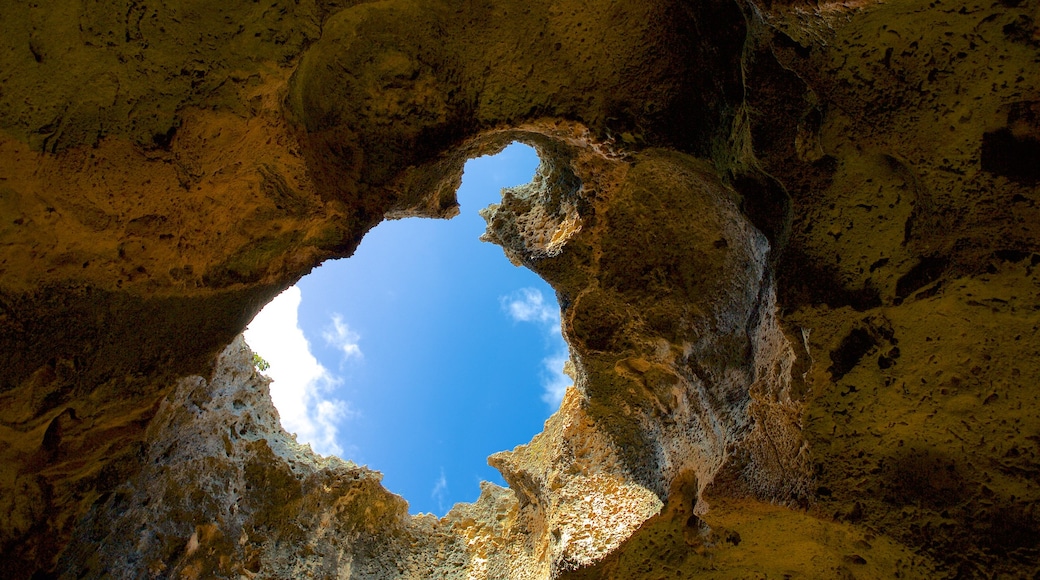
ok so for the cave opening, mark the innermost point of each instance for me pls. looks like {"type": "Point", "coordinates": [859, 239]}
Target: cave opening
{"type": "Point", "coordinates": [423, 353]}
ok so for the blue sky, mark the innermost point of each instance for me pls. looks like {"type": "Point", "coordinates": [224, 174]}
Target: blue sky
{"type": "Point", "coordinates": [423, 353]}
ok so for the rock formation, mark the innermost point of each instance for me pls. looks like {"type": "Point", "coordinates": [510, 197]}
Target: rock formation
{"type": "Point", "coordinates": [795, 246]}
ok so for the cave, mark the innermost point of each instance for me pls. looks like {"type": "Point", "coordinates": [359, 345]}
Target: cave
{"type": "Point", "coordinates": [424, 352]}
{"type": "Point", "coordinates": [794, 246]}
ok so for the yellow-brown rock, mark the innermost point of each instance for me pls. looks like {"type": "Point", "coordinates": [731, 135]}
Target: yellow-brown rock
{"type": "Point", "coordinates": [795, 246]}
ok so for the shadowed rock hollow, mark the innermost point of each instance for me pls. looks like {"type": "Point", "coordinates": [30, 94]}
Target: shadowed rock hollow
{"type": "Point", "coordinates": [794, 246]}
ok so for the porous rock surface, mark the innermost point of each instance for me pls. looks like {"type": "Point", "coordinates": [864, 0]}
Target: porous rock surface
{"type": "Point", "coordinates": [794, 245]}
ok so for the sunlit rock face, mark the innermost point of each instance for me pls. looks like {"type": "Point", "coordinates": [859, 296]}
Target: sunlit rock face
{"type": "Point", "coordinates": [794, 244]}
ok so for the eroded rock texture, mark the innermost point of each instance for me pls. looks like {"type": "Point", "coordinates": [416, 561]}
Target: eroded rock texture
{"type": "Point", "coordinates": [794, 245]}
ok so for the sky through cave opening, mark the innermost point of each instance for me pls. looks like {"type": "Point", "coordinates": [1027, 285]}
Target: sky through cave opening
{"type": "Point", "coordinates": [423, 353]}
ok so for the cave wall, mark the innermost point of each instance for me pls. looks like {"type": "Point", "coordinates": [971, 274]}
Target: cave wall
{"type": "Point", "coordinates": [925, 301]}
{"type": "Point", "coordinates": [794, 246]}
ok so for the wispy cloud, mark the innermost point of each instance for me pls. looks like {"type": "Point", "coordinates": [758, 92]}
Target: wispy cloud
{"type": "Point", "coordinates": [440, 491]}
{"type": "Point", "coordinates": [554, 380]}
{"type": "Point", "coordinates": [300, 386]}
{"type": "Point", "coordinates": [340, 336]}
{"type": "Point", "coordinates": [529, 305]}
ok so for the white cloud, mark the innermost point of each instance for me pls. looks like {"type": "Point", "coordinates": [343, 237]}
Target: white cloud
{"type": "Point", "coordinates": [440, 490]}
{"type": "Point", "coordinates": [300, 384]}
{"type": "Point", "coordinates": [529, 305]}
{"type": "Point", "coordinates": [340, 336]}
{"type": "Point", "coordinates": [555, 381]}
